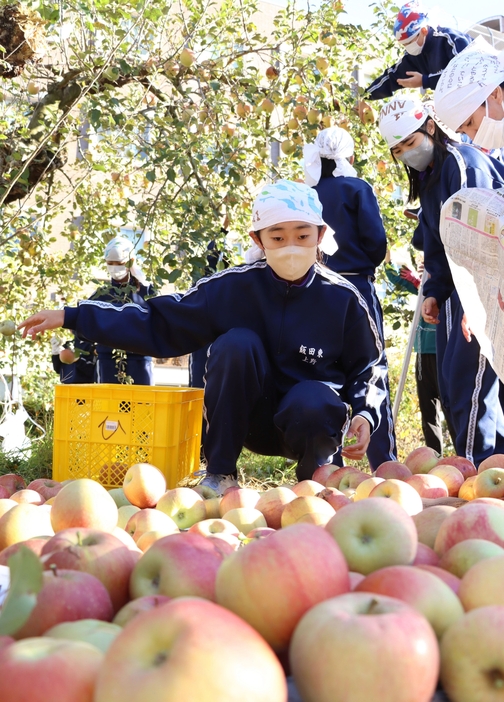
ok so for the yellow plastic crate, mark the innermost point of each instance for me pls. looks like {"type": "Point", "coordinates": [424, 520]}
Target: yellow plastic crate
{"type": "Point", "coordinates": [101, 430]}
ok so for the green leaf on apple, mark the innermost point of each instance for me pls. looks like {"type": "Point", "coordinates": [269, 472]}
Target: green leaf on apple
{"type": "Point", "coordinates": [25, 583]}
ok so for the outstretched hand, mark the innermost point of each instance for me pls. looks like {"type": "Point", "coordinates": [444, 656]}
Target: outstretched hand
{"type": "Point", "coordinates": [414, 82]}
{"type": "Point", "coordinates": [359, 427]}
{"type": "Point", "coordinates": [41, 322]}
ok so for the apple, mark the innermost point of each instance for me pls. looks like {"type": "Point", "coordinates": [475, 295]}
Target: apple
{"type": "Point", "coordinates": [393, 469]}
{"type": "Point", "coordinates": [213, 527]}
{"type": "Point", "coordinates": [245, 518]}
{"type": "Point", "coordinates": [178, 565]}
{"type": "Point", "coordinates": [425, 555]}
{"type": "Point", "coordinates": [495, 461]}
{"type": "Point", "coordinates": [272, 502]}
{"type": "Point", "coordinates": [243, 109]}
{"type": "Point", "coordinates": [7, 326]}
{"type": "Point", "coordinates": [67, 356]}
{"type": "Point", "coordinates": [4, 493]}
{"type": "Point", "coordinates": [6, 641]}
{"type": "Point", "coordinates": [267, 105]}
{"type": "Point", "coordinates": [12, 482]}
{"type": "Point", "coordinates": [489, 483]}
{"type": "Point", "coordinates": [260, 533]}
{"type": "Point", "coordinates": [451, 580]}
{"type": "Point", "coordinates": [47, 488]}
{"type": "Point", "coordinates": [91, 631]}
{"type": "Point", "coordinates": [138, 606]}
{"type": "Point", "coordinates": [96, 552]}
{"type": "Point", "coordinates": [428, 485]}
{"type": "Point", "coordinates": [307, 487]}
{"type": "Point", "coordinates": [212, 507]}
{"type": "Point", "coordinates": [27, 497]}
{"type": "Point", "coordinates": [322, 64]}
{"type": "Point", "coordinates": [183, 505]}
{"type": "Point", "coordinates": [336, 498]}
{"type": "Point", "coordinates": [364, 487]}
{"type": "Point", "coordinates": [374, 533]}
{"type": "Point", "coordinates": [174, 651]}
{"type": "Point", "coordinates": [472, 521]}
{"type": "Point", "coordinates": [150, 520]}
{"type": "Point", "coordinates": [117, 494]}
{"type": "Point", "coordinates": [472, 658]}
{"type": "Point", "coordinates": [148, 538]}
{"type": "Point", "coordinates": [464, 465]}
{"type": "Point", "coordinates": [272, 582]}
{"type": "Point", "coordinates": [242, 497]}
{"type": "Point", "coordinates": [66, 596]}
{"type": "Point", "coordinates": [466, 491]}
{"type": "Point", "coordinates": [362, 646]}
{"type": "Point", "coordinates": [465, 554]}
{"type": "Point", "coordinates": [428, 522]}
{"type": "Point", "coordinates": [336, 476]}
{"type": "Point", "coordinates": [187, 58]}
{"type": "Point", "coordinates": [125, 513]}
{"type": "Point", "coordinates": [352, 480]}
{"type": "Point", "coordinates": [422, 590]}
{"type": "Point", "coordinates": [36, 545]}
{"type": "Point", "coordinates": [227, 543]}
{"type": "Point", "coordinates": [399, 491]}
{"type": "Point", "coordinates": [125, 539]}
{"type": "Point", "coordinates": [451, 476]}
{"type": "Point", "coordinates": [299, 112]}
{"type": "Point", "coordinates": [22, 522]}
{"type": "Point", "coordinates": [113, 474]}
{"type": "Point", "coordinates": [321, 474]}
{"type": "Point", "coordinates": [144, 485]}
{"type": "Point", "coordinates": [489, 501]}
{"type": "Point", "coordinates": [272, 72]}
{"type": "Point", "coordinates": [303, 505]}
{"type": "Point", "coordinates": [6, 504]}
{"type": "Point", "coordinates": [206, 492]}
{"type": "Point", "coordinates": [422, 459]}
{"type": "Point", "coordinates": [41, 669]}
{"type": "Point", "coordinates": [482, 584]}
{"type": "Point", "coordinates": [83, 503]}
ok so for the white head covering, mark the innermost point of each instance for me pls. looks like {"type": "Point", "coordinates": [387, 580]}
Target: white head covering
{"type": "Point", "coordinates": [122, 250]}
{"type": "Point", "coordinates": [334, 143]}
{"type": "Point", "coordinates": [286, 201]}
{"type": "Point", "coordinates": [400, 117]}
{"type": "Point", "coordinates": [467, 81]}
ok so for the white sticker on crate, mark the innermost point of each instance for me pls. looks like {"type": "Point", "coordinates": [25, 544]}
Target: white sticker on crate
{"type": "Point", "coordinates": [111, 426]}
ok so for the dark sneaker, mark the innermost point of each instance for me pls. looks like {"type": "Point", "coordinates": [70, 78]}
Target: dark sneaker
{"type": "Point", "coordinates": [218, 482]}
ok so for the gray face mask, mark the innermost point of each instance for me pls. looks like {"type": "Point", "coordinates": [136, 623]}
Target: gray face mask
{"type": "Point", "coordinates": [419, 157]}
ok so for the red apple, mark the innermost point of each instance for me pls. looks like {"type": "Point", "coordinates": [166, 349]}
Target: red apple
{"type": "Point", "coordinates": [183, 505]}
{"type": "Point", "coordinates": [42, 669]}
{"type": "Point", "coordinates": [285, 569]}
{"type": "Point", "coordinates": [24, 522]}
{"type": "Point", "coordinates": [428, 522]}
{"type": "Point", "coordinates": [144, 485]}
{"type": "Point", "coordinates": [342, 648]}
{"type": "Point", "coordinates": [421, 460]}
{"type": "Point", "coordinates": [399, 491]}
{"type": "Point", "coordinates": [365, 487]}
{"type": "Point", "coordinates": [67, 595]}
{"type": "Point", "coordinates": [374, 533]}
{"type": "Point", "coordinates": [36, 545]}
{"type": "Point", "coordinates": [174, 651]}
{"type": "Point", "coordinates": [336, 476]}
{"type": "Point", "coordinates": [323, 472]}
{"type": "Point", "coordinates": [355, 579]}
{"type": "Point", "coordinates": [428, 485]}
{"type": "Point", "coordinates": [212, 527]}
{"type": "Point", "coordinates": [464, 465]}
{"type": "Point", "coordinates": [46, 487]}
{"type": "Point", "coordinates": [489, 501]}
{"type": "Point", "coordinates": [472, 521]}
{"type": "Point", "coordinates": [422, 590]}
{"type": "Point", "coordinates": [466, 553]}
{"type": "Point", "coordinates": [425, 555]}
{"type": "Point", "coordinates": [260, 533]}
{"type": "Point", "coordinates": [4, 493]}
{"type": "Point", "coordinates": [393, 469]}
{"type": "Point", "coordinates": [96, 552]}
{"type": "Point", "coordinates": [178, 565]}
{"type": "Point", "coordinates": [451, 476]}
{"type": "Point", "coordinates": [307, 487]}
{"type": "Point", "coordinates": [482, 584]}
{"type": "Point", "coordinates": [335, 497]}
{"type": "Point", "coordinates": [83, 503]}
{"type": "Point", "coordinates": [353, 480]}
{"type": "Point", "coordinates": [495, 461]}
{"type": "Point", "coordinates": [489, 483]}
{"type": "Point", "coordinates": [12, 482]}
{"type": "Point", "coordinates": [272, 502]}
{"type": "Point", "coordinates": [451, 580]}
{"type": "Point", "coordinates": [150, 520]}
{"type": "Point", "coordinates": [234, 499]}
{"type": "Point", "coordinates": [27, 497]}
{"type": "Point", "coordinates": [137, 606]}
{"type": "Point", "coordinates": [305, 504]}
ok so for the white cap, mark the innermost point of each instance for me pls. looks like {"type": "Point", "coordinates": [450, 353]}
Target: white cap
{"type": "Point", "coordinates": [467, 81]}
{"type": "Point", "coordinates": [286, 201]}
{"type": "Point", "coordinates": [119, 249]}
{"type": "Point", "coordinates": [400, 117]}
{"type": "Point", "coordinates": [334, 143]}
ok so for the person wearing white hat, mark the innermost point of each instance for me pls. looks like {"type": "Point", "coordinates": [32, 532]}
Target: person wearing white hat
{"type": "Point", "coordinates": [293, 361]}
{"type": "Point", "coordinates": [437, 167]}
{"type": "Point", "coordinates": [428, 51]}
{"type": "Point", "coordinates": [469, 97]}
{"type": "Point", "coordinates": [350, 209]}
{"type": "Point", "coordinates": [127, 285]}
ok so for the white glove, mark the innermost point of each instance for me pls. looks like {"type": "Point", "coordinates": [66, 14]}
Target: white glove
{"type": "Point", "coordinates": [56, 345]}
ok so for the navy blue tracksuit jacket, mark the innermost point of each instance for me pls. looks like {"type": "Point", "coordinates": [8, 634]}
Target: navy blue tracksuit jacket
{"type": "Point", "coordinates": [351, 209]}
{"type": "Point", "coordinates": [441, 45]}
{"type": "Point", "coordinates": [317, 334]}
{"type": "Point", "coordinates": [470, 389]}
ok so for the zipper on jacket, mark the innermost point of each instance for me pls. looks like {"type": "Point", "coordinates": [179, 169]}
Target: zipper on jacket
{"type": "Point", "coordinates": [282, 320]}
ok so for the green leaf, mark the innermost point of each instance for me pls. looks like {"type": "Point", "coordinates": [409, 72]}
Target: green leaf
{"type": "Point", "coordinates": [151, 176]}
{"type": "Point", "coordinates": [25, 583]}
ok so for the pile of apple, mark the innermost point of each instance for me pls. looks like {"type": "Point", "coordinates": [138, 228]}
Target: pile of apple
{"type": "Point", "coordinates": [155, 595]}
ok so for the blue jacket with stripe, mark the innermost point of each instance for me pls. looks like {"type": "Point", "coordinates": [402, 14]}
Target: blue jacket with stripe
{"type": "Point", "coordinates": [319, 329]}
{"type": "Point", "coordinates": [441, 45]}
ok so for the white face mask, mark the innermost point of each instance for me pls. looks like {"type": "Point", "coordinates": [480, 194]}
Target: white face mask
{"type": "Point", "coordinates": [490, 134]}
{"type": "Point", "coordinates": [414, 49]}
{"type": "Point", "coordinates": [291, 262]}
{"type": "Point", "coordinates": [419, 157]}
{"type": "Point", "coordinates": [117, 272]}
